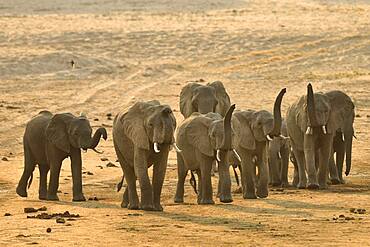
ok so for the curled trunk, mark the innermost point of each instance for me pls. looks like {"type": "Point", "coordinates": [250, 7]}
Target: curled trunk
{"type": "Point", "coordinates": [311, 106]}
{"type": "Point", "coordinates": [226, 144]}
{"type": "Point", "coordinates": [277, 113]}
{"type": "Point", "coordinates": [101, 132]}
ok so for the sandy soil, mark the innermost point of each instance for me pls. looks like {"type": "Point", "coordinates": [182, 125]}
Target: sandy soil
{"type": "Point", "coordinates": [131, 50]}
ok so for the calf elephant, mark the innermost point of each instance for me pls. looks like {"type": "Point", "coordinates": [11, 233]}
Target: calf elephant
{"type": "Point", "coordinates": [204, 139]}
{"type": "Point", "coordinates": [195, 97]}
{"type": "Point", "coordinates": [47, 141]}
{"type": "Point", "coordinates": [142, 137]}
{"type": "Point", "coordinates": [311, 126]}
{"type": "Point", "coordinates": [278, 158]}
{"type": "Point", "coordinates": [255, 130]}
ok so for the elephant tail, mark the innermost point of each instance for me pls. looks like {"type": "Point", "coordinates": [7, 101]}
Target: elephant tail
{"type": "Point", "coordinates": [236, 176]}
{"type": "Point", "coordinates": [193, 182]}
{"type": "Point", "coordinates": [120, 184]}
{"type": "Point", "coordinates": [30, 180]}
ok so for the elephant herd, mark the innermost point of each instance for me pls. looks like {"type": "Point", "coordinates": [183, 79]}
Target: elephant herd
{"type": "Point", "coordinates": [316, 136]}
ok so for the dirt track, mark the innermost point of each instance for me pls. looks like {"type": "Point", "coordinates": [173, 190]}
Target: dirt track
{"type": "Point", "coordinates": [125, 52]}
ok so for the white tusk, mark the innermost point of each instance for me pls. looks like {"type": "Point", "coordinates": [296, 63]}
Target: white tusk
{"type": "Point", "coordinates": [269, 137]}
{"type": "Point", "coordinates": [279, 155]}
{"type": "Point", "coordinates": [237, 155]}
{"type": "Point", "coordinates": [218, 155]}
{"type": "Point", "coordinates": [156, 148]}
{"type": "Point", "coordinates": [176, 148]}
{"type": "Point", "coordinates": [284, 137]}
{"type": "Point", "coordinates": [342, 137]}
{"type": "Point", "coordinates": [254, 159]}
{"type": "Point", "coordinates": [324, 129]}
{"type": "Point", "coordinates": [309, 131]}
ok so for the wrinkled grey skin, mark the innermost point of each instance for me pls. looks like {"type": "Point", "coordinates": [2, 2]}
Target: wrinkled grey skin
{"type": "Point", "coordinates": [344, 113]}
{"type": "Point", "coordinates": [199, 137]}
{"type": "Point", "coordinates": [47, 141]}
{"type": "Point", "coordinates": [135, 133]}
{"type": "Point", "coordinates": [306, 120]}
{"type": "Point", "coordinates": [195, 97]}
{"type": "Point", "coordinates": [252, 132]}
{"type": "Point", "coordinates": [278, 158]}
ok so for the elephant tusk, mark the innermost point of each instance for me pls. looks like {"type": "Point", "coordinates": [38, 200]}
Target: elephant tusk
{"type": "Point", "coordinates": [342, 137]}
{"type": "Point", "coordinates": [279, 155]}
{"type": "Point", "coordinates": [309, 131]}
{"type": "Point", "coordinates": [84, 150]}
{"type": "Point", "coordinates": [237, 155]}
{"type": "Point", "coordinates": [269, 137]}
{"type": "Point", "coordinates": [324, 129]}
{"type": "Point", "coordinates": [156, 147]}
{"type": "Point", "coordinates": [176, 148]}
{"type": "Point", "coordinates": [218, 155]}
{"type": "Point", "coordinates": [284, 137]}
{"type": "Point", "coordinates": [96, 151]}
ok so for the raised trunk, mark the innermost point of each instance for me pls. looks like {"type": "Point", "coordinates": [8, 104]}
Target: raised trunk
{"type": "Point", "coordinates": [101, 132]}
{"type": "Point", "coordinates": [348, 137]}
{"type": "Point", "coordinates": [277, 113]}
{"type": "Point", "coordinates": [226, 143]}
{"type": "Point", "coordinates": [311, 106]}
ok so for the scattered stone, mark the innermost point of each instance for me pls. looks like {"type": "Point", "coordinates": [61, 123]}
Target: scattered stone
{"type": "Point", "coordinates": [104, 159]}
{"type": "Point", "coordinates": [48, 230]}
{"type": "Point", "coordinates": [30, 210]}
{"type": "Point", "coordinates": [358, 115]}
{"type": "Point", "coordinates": [90, 173]}
{"type": "Point", "coordinates": [109, 114]}
{"type": "Point", "coordinates": [69, 224]}
{"type": "Point", "coordinates": [358, 210]}
{"type": "Point", "coordinates": [342, 216]}
{"type": "Point", "coordinates": [43, 208]}
{"type": "Point", "coordinates": [352, 210]}
{"type": "Point", "coordinates": [22, 236]}
{"type": "Point", "coordinates": [60, 220]}
{"type": "Point", "coordinates": [101, 167]}
{"type": "Point", "coordinates": [110, 164]}
{"type": "Point", "coordinates": [93, 198]}
{"type": "Point", "coordinates": [7, 214]}
{"type": "Point", "coordinates": [5, 159]}
{"type": "Point", "coordinates": [96, 119]}
{"type": "Point", "coordinates": [46, 216]}
{"type": "Point", "coordinates": [59, 191]}
{"type": "Point", "coordinates": [349, 218]}
{"type": "Point", "coordinates": [135, 214]}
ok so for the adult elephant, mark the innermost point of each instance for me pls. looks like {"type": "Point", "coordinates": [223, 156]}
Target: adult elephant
{"type": "Point", "coordinates": [311, 126]}
{"type": "Point", "coordinates": [142, 137]}
{"type": "Point", "coordinates": [195, 97]}
{"type": "Point", "coordinates": [278, 158]}
{"type": "Point", "coordinates": [255, 130]}
{"type": "Point", "coordinates": [47, 141]}
{"type": "Point", "coordinates": [204, 139]}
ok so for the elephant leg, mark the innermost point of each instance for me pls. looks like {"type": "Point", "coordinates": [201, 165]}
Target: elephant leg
{"type": "Point", "coordinates": [248, 174]}
{"type": "Point", "coordinates": [333, 171]}
{"type": "Point", "coordinates": [125, 198]}
{"type": "Point", "coordinates": [284, 167]}
{"type": "Point", "coordinates": [159, 172]}
{"type": "Point", "coordinates": [43, 169]}
{"type": "Point", "coordinates": [325, 151]}
{"type": "Point", "coordinates": [141, 171]}
{"type": "Point", "coordinates": [309, 155]}
{"type": "Point", "coordinates": [263, 174]}
{"type": "Point", "coordinates": [300, 159]}
{"type": "Point", "coordinates": [206, 193]}
{"type": "Point", "coordinates": [295, 176]}
{"type": "Point", "coordinates": [214, 168]}
{"type": "Point", "coordinates": [29, 167]}
{"type": "Point", "coordinates": [200, 188]}
{"type": "Point", "coordinates": [76, 167]}
{"type": "Point", "coordinates": [181, 176]}
{"type": "Point", "coordinates": [55, 165]}
{"type": "Point", "coordinates": [340, 160]}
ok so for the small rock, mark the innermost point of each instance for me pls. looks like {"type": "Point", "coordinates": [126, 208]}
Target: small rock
{"type": "Point", "coordinates": [104, 159]}
{"type": "Point", "coordinates": [352, 210]}
{"type": "Point", "coordinates": [43, 208]}
{"type": "Point", "coordinates": [7, 214]}
{"type": "Point", "coordinates": [30, 210]}
{"type": "Point", "coordinates": [110, 164]}
{"type": "Point", "coordinates": [101, 167]}
{"type": "Point", "coordinates": [90, 173]}
{"type": "Point", "coordinates": [109, 114]}
{"type": "Point", "coordinates": [5, 159]}
{"type": "Point", "coordinates": [93, 198]}
{"type": "Point", "coordinates": [349, 218]}
{"type": "Point", "coordinates": [342, 216]}
{"type": "Point", "coordinates": [48, 230]}
{"type": "Point", "coordinates": [96, 119]}
{"type": "Point", "coordinates": [135, 214]}
{"type": "Point", "coordinates": [59, 191]}
{"type": "Point", "coordinates": [358, 115]}
{"type": "Point", "coordinates": [60, 220]}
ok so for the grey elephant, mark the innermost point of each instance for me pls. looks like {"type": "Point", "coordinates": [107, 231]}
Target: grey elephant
{"type": "Point", "coordinates": [203, 139]}
{"type": "Point", "coordinates": [255, 130]}
{"type": "Point", "coordinates": [195, 97]}
{"type": "Point", "coordinates": [311, 126]}
{"type": "Point", "coordinates": [278, 158]}
{"type": "Point", "coordinates": [142, 137]}
{"type": "Point", "coordinates": [47, 141]}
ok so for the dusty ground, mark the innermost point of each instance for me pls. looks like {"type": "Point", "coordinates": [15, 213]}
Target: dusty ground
{"type": "Point", "coordinates": [130, 50]}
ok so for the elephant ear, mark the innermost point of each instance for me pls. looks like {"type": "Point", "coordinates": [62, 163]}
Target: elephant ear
{"type": "Point", "coordinates": [133, 124]}
{"type": "Point", "coordinates": [246, 137]}
{"type": "Point", "coordinates": [57, 131]}
{"type": "Point", "coordinates": [223, 98]}
{"type": "Point", "coordinates": [341, 109]}
{"type": "Point", "coordinates": [186, 95]}
{"type": "Point", "coordinates": [197, 134]}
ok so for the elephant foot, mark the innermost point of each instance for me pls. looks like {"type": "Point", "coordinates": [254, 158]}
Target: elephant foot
{"type": "Point", "coordinates": [285, 184]}
{"type": "Point", "coordinates": [262, 193]}
{"type": "Point", "coordinates": [335, 181]}
{"type": "Point", "coordinates": [239, 190]}
{"type": "Point", "coordinates": [313, 186]}
{"type": "Point", "coordinates": [158, 208]}
{"type": "Point", "coordinates": [124, 204]}
{"type": "Point", "coordinates": [147, 207]}
{"type": "Point", "coordinates": [250, 196]}
{"type": "Point", "coordinates": [342, 181]}
{"type": "Point", "coordinates": [301, 185]}
{"type": "Point", "coordinates": [133, 206]}
{"type": "Point", "coordinates": [226, 199]}
{"type": "Point", "coordinates": [206, 201]}
{"type": "Point", "coordinates": [275, 184]}
{"type": "Point", "coordinates": [323, 186]}
{"type": "Point", "coordinates": [52, 197]}
{"type": "Point", "coordinates": [21, 192]}
{"type": "Point", "coordinates": [43, 197]}
{"type": "Point", "coordinates": [179, 200]}
{"type": "Point", "coordinates": [79, 198]}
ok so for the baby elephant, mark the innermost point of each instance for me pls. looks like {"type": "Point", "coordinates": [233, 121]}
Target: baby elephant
{"type": "Point", "coordinates": [47, 141]}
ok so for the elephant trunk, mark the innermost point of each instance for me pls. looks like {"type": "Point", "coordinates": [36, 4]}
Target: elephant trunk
{"type": "Point", "coordinates": [311, 107]}
{"type": "Point", "coordinates": [101, 132]}
{"type": "Point", "coordinates": [225, 180]}
{"type": "Point", "coordinates": [348, 137]}
{"type": "Point", "coordinates": [226, 143]}
{"type": "Point", "coordinates": [277, 114]}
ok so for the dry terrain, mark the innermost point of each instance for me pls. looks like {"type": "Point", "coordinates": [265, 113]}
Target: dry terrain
{"type": "Point", "coordinates": [127, 51]}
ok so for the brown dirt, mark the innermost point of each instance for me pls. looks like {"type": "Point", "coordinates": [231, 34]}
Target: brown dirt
{"type": "Point", "coordinates": [130, 50]}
